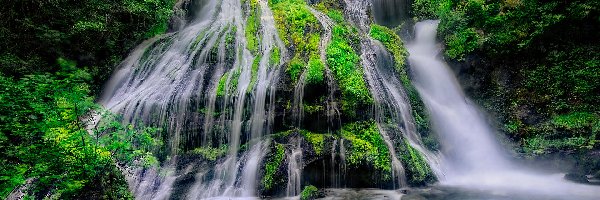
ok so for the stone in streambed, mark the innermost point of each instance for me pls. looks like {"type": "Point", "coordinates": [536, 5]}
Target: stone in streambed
{"type": "Point", "coordinates": [575, 177]}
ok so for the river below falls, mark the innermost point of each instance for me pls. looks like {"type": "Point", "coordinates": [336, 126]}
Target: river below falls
{"type": "Point", "coordinates": [438, 192]}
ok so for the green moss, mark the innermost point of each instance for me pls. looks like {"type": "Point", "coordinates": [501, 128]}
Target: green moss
{"type": "Point", "coordinates": [368, 147]}
{"type": "Point", "coordinates": [198, 39]}
{"type": "Point", "coordinates": [571, 131]}
{"type": "Point", "coordinates": [252, 26]}
{"type": "Point", "coordinates": [230, 44]}
{"type": "Point", "coordinates": [315, 70]}
{"type": "Point", "coordinates": [282, 134]}
{"type": "Point", "coordinates": [254, 72]}
{"type": "Point", "coordinates": [576, 120]}
{"type": "Point", "coordinates": [235, 77]}
{"type": "Point", "coordinates": [393, 43]}
{"type": "Point", "coordinates": [343, 61]}
{"type": "Point", "coordinates": [417, 169]}
{"type": "Point", "coordinates": [293, 19]}
{"type": "Point", "coordinates": [275, 56]}
{"type": "Point", "coordinates": [312, 109]}
{"type": "Point", "coordinates": [221, 86]}
{"type": "Point", "coordinates": [228, 86]}
{"type": "Point", "coordinates": [309, 192]}
{"type": "Point", "coordinates": [336, 16]}
{"type": "Point", "coordinates": [271, 167]}
{"type": "Point", "coordinates": [295, 68]}
{"type": "Point", "coordinates": [317, 140]}
{"type": "Point", "coordinates": [210, 153]}
{"type": "Point", "coordinates": [332, 8]}
{"type": "Point", "coordinates": [299, 30]}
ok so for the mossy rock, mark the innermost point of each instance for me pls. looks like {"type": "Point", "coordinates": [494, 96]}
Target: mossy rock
{"type": "Point", "coordinates": [309, 192]}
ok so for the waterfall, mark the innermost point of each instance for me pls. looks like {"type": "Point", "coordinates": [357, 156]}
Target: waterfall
{"type": "Point", "coordinates": [455, 118]}
{"type": "Point", "coordinates": [392, 104]}
{"type": "Point", "coordinates": [197, 84]}
{"type": "Point", "coordinates": [473, 156]}
{"type": "Point", "coordinates": [333, 112]}
{"type": "Point", "coordinates": [391, 13]}
{"type": "Point", "coordinates": [294, 158]}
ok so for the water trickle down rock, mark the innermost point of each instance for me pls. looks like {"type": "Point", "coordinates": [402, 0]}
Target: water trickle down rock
{"type": "Point", "coordinates": [391, 102]}
{"type": "Point", "coordinates": [173, 81]}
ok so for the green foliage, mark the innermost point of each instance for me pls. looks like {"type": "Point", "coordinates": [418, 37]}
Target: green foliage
{"type": "Point", "coordinates": [368, 148]}
{"type": "Point", "coordinates": [499, 27]}
{"type": "Point", "coordinates": [272, 165]}
{"type": "Point", "coordinates": [295, 68]}
{"type": "Point", "coordinates": [254, 72]}
{"type": "Point", "coordinates": [42, 137]}
{"type": "Point", "coordinates": [309, 192]}
{"type": "Point", "coordinates": [230, 44]}
{"type": "Point", "coordinates": [315, 70]}
{"type": "Point", "coordinates": [298, 29]}
{"type": "Point", "coordinates": [333, 8]}
{"type": "Point", "coordinates": [462, 43]}
{"type": "Point", "coordinates": [567, 81]}
{"type": "Point", "coordinates": [336, 16]}
{"type": "Point", "coordinates": [572, 131]}
{"type": "Point", "coordinates": [343, 61]}
{"type": "Point", "coordinates": [293, 19]}
{"type": "Point", "coordinates": [252, 25]}
{"type": "Point", "coordinates": [311, 109]}
{"type": "Point", "coordinates": [228, 84]}
{"type": "Point", "coordinates": [210, 153]}
{"type": "Point", "coordinates": [222, 84]}
{"type": "Point", "coordinates": [275, 56]}
{"type": "Point", "coordinates": [394, 44]}
{"type": "Point", "coordinates": [425, 9]}
{"type": "Point", "coordinates": [317, 140]}
{"type": "Point", "coordinates": [96, 33]}
{"type": "Point", "coordinates": [127, 144]}
{"type": "Point", "coordinates": [417, 169]}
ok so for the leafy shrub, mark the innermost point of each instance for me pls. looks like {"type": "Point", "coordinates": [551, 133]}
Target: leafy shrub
{"type": "Point", "coordinates": [94, 33]}
{"type": "Point", "coordinates": [42, 137]}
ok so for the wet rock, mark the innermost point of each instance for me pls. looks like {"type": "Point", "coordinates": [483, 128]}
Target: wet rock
{"type": "Point", "coordinates": [575, 177]}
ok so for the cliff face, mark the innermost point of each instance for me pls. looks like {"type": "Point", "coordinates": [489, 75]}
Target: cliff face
{"type": "Point", "coordinates": [263, 98]}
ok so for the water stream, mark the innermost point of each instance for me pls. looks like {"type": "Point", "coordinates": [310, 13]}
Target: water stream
{"type": "Point", "coordinates": [473, 156]}
{"type": "Point", "coordinates": [164, 82]}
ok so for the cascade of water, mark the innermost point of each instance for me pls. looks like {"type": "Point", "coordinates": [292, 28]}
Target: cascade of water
{"type": "Point", "coordinates": [391, 101]}
{"type": "Point", "coordinates": [150, 184]}
{"type": "Point", "coordinates": [298, 105]}
{"type": "Point", "coordinates": [334, 179]}
{"type": "Point", "coordinates": [473, 157]}
{"type": "Point", "coordinates": [164, 82]}
{"type": "Point", "coordinates": [390, 13]}
{"type": "Point", "coordinates": [342, 165]}
{"type": "Point", "coordinates": [333, 112]}
{"type": "Point", "coordinates": [249, 175]}
{"type": "Point", "coordinates": [294, 169]}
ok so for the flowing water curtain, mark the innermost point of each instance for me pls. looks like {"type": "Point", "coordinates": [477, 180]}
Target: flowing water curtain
{"type": "Point", "coordinates": [393, 111]}
{"type": "Point", "coordinates": [200, 83]}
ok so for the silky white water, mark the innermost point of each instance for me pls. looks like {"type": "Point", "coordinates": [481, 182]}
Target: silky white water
{"type": "Point", "coordinates": [473, 157]}
{"type": "Point", "coordinates": [171, 82]}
